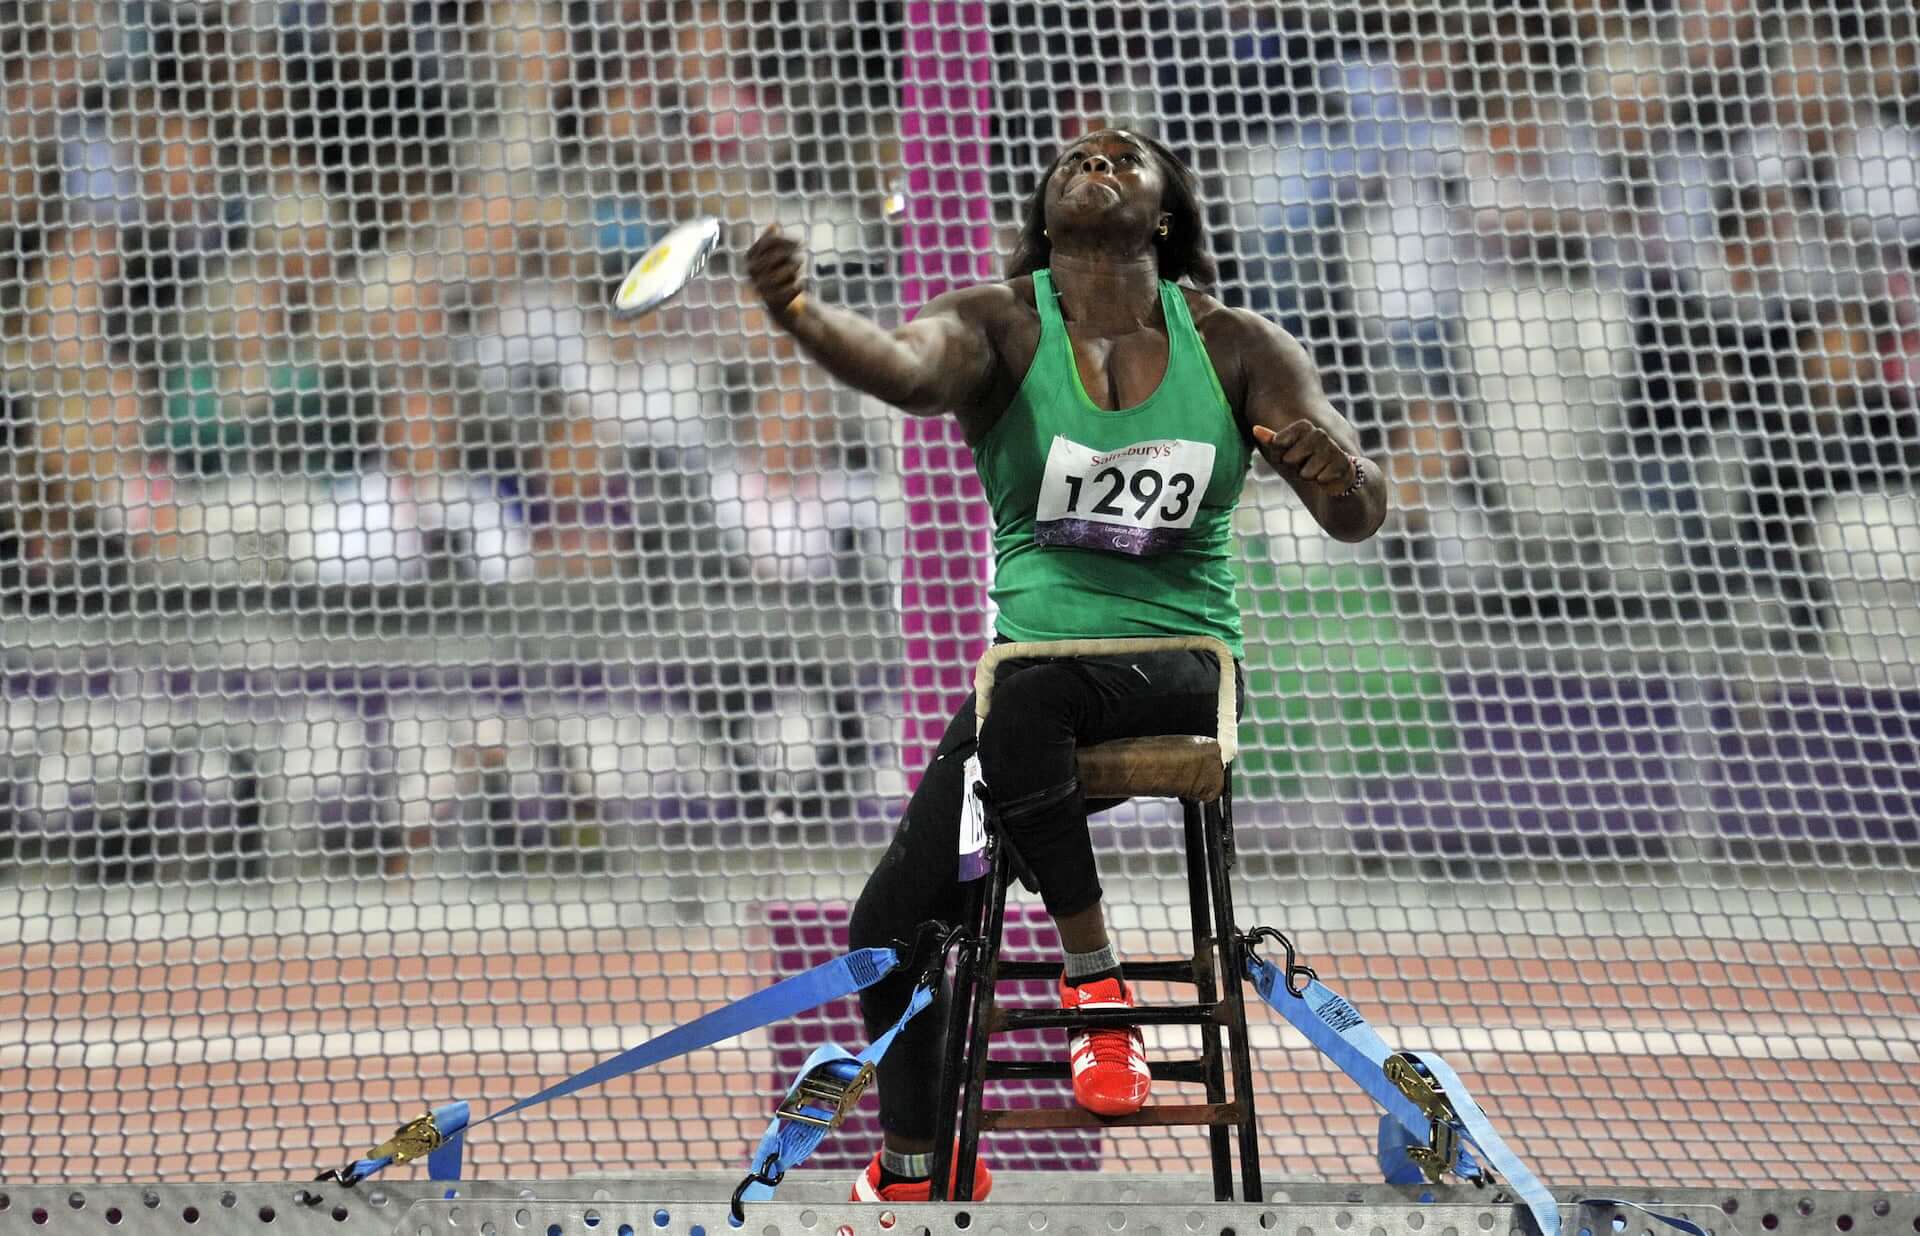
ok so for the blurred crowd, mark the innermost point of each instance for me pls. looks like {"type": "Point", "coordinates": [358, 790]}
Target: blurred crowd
{"type": "Point", "coordinates": [309, 289]}
{"type": "Point", "coordinates": [309, 293]}
{"type": "Point", "coordinates": [1718, 198]}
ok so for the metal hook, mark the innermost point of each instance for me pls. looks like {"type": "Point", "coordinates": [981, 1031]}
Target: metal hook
{"type": "Point", "coordinates": [933, 941]}
{"type": "Point", "coordinates": [760, 1176]}
{"type": "Point", "coordinates": [1293, 969]}
{"type": "Point", "coordinates": [343, 1177]}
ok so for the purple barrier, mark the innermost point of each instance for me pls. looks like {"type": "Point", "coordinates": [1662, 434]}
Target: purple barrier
{"type": "Point", "coordinates": [1828, 764]}
{"type": "Point", "coordinates": [685, 821]}
{"type": "Point", "coordinates": [1544, 767]}
{"type": "Point", "coordinates": [806, 934]}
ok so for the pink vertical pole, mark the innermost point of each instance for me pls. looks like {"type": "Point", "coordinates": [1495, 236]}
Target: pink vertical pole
{"type": "Point", "coordinates": [947, 96]}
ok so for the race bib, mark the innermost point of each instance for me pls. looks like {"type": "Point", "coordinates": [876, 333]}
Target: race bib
{"type": "Point", "coordinates": [1138, 499]}
{"type": "Point", "coordinates": [973, 822]}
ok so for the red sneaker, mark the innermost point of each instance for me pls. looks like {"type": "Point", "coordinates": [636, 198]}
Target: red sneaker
{"type": "Point", "coordinates": [1110, 1076]}
{"type": "Point", "coordinates": [866, 1187]}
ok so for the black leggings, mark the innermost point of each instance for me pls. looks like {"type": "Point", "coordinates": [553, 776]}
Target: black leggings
{"type": "Point", "coordinates": [1042, 709]}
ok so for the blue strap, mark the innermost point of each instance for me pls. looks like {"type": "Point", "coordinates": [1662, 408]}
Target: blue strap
{"type": "Point", "coordinates": [1337, 1029]}
{"type": "Point", "coordinates": [444, 1163]}
{"type": "Point", "coordinates": [1492, 1147]}
{"type": "Point", "coordinates": [1343, 1036]}
{"type": "Point", "coordinates": [830, 981]}
{"type": "Point", "coordinates": [787, 1143]}
{"type": "Point", "coordinates": [1675, 1221]}
{"type": "Point", "coordinates": [448, 1120]}
{"type": "Point", "coordinates": [1390, 1151]}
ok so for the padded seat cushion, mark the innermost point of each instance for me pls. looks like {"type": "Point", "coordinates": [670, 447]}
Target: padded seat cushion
{"type": "Point", "coordinates": [1176, 766]}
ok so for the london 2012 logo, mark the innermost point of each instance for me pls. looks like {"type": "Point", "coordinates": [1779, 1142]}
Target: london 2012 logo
{"type": "Point", "coordinates": [1139, 499]}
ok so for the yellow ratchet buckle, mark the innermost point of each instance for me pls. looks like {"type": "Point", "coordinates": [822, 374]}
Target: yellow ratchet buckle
{"type": "Point", "coordinates": [417, 1137]}
{"type": "Point", "coordinates": [1442, 1150]}
{"type": "Point", "coordinates": [821, 1087]}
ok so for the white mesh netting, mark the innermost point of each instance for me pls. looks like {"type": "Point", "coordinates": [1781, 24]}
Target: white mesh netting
{"type": "Point", "coordinates": [417, 685]}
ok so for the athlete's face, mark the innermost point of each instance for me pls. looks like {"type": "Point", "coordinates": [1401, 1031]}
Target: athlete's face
{"type": "Point", "coordinates": [1108, 180]}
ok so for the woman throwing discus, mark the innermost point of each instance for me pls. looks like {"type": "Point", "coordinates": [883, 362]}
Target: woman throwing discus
{"type": "Point", "coordinates": [1113, 408]}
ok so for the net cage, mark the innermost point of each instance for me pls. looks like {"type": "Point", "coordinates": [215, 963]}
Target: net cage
{"type": "Point", "coordinates": [418, 685]}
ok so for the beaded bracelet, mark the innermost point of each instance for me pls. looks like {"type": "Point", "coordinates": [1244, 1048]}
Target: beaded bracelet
{"type": "Point", "coordinates": [1359, 478]}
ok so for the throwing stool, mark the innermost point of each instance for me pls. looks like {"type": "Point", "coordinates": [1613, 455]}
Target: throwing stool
{"type": "Point", "coordinates": [1195, 770]}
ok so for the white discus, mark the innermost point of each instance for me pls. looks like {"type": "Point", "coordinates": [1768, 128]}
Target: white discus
{"type": "Point", "coordinates": [667, 267]}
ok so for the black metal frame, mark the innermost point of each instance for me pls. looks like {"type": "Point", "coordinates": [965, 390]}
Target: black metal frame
{"type": "Point", "coordinates": [1214, 969]}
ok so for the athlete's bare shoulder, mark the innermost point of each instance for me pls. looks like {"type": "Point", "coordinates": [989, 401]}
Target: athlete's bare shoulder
{"type": "Point", "coordinates": [995, 312]}
{"type": "Point", "coordinates": [1221, 323]}
{"type": "Point", "coordinates": [999, 315]}
{"type": "Point", "coordinates": [986, 304]}
{"type": "Point", "coordinates": [1019, 289]}
{"type": "Point", "coordinates": [1235, 339]}
{"type": "Point", "coordinates": [1003, 311]}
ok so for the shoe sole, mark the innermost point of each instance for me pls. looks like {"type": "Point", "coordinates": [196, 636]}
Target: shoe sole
{"type": "Point", "coordinates": [1110, 1110]}
{"type": "Point", "coordinates": [865, 1192]}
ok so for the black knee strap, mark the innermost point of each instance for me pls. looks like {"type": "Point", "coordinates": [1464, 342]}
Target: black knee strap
{"type": "Point", "coordinates": [1000, 814]}
{"type": "Point", "coordinates": [1025, 807]}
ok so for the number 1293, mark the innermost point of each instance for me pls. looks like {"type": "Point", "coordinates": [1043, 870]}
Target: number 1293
{"type": "Point", "coordinates": [1114, 492]}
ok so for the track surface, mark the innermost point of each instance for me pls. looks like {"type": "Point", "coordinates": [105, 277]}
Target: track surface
{"type": "Point", "coordinates": [1663, 1061]}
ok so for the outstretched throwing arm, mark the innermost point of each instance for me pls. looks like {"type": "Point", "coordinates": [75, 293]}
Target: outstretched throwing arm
{"type": "Point", "coordinates": [940, 362]}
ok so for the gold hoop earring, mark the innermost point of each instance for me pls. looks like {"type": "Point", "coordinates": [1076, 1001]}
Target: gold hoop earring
{"type": "Point", "coordinates": [1163, 227]}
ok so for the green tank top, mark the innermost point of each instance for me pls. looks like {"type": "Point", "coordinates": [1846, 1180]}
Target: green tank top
{"type": "Point", "coordinates": [1109, 524]}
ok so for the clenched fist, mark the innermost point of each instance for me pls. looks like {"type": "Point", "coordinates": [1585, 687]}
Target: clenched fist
{"type": "Point", "coordinates": [776, 263]}
{"type": "Point", "coordinates": [1305, 450]}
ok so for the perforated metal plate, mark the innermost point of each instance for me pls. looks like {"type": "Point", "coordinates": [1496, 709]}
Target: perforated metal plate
{"type": "Point", "coordinates": [813, 1204]}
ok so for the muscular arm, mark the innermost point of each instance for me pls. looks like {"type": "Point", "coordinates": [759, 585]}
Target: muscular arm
{"type": "Point", "coordinates": [1279, 387]}
{"type": "Point", "coordinates": [940, 362]}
